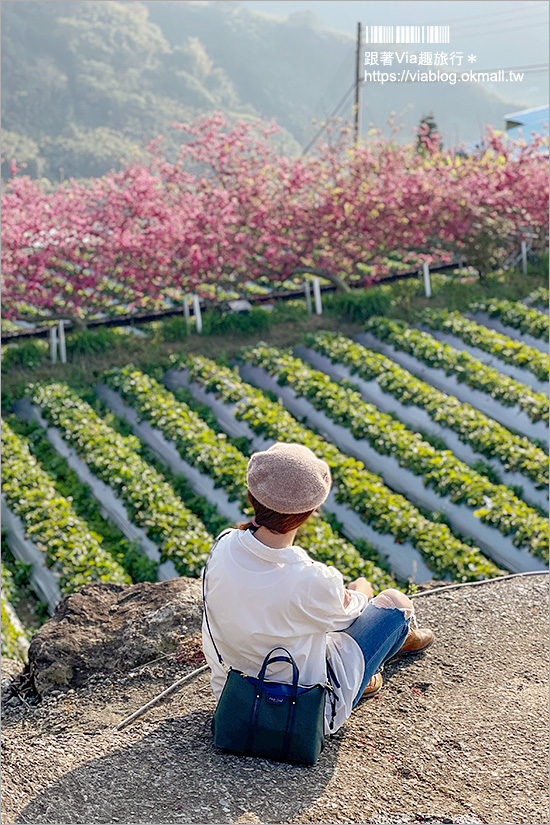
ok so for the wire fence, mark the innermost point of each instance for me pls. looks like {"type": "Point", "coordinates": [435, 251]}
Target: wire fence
{"type": "Point", "coordinates": [257, 300]}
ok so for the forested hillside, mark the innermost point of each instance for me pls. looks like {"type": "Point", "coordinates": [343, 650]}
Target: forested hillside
{"type": "Point", "coordinates": [85, 83]}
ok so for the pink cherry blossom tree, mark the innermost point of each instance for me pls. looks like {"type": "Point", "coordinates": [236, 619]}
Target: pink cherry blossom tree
{"type": "Point", "coordinates": [231, 208]}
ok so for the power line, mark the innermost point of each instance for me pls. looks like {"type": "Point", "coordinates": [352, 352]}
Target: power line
{"type": "Point", "coordinates": [332, 81]}
{"type": "Point", "coordinates": [526, 69]}
{"type": "Point", "coordinates": [513, 12]}
{"type": "Point", "coordinates": [467, 26]}
{"type": "Point", "coordinates": [340, 74]}
{"type": "Point", "coordinates": [495, 30]}
{"type": "Point", "coordinates": [332, 114]}
{"type": "Point", "coordinates": [343, 103]}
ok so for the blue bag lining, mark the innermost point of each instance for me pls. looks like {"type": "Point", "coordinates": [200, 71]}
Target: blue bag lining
{"type": "Point", "coordinates": [277, 688]}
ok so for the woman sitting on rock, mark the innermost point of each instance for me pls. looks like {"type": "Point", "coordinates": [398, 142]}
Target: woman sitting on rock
{"type": "Point", "coordinates": [264, 591]}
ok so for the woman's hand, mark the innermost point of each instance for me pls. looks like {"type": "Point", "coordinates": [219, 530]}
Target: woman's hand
{"type": "Point", "coordinates": [362, 586]}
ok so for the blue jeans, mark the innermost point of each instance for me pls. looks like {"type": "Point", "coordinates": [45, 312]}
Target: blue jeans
{"type": "Point", "coordinates": [380, 632]}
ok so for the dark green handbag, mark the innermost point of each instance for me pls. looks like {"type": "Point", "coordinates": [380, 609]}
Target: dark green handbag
{"type": "Point", "coordinates": [274, 720]}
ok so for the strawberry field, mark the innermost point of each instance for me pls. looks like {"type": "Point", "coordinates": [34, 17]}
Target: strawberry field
{"type": "Point", "coordinates": [429, 400]}
{"type": "Point", "coordinates": [439, 461]}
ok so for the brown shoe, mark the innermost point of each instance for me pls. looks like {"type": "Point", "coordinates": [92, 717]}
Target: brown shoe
{"type": "Point", "coordinates": [373, 687]}
{"type": "Point", "coordinates": [416, 641]}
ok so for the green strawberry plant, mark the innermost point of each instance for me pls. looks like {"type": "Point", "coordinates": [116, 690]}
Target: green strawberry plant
{"type": "Point", "coordinates": [363, 491]}
{"type": "Point", "coordinates": [213, 454]}
{"type": "Point", "coordinates": [151, 501]}
{"type": "Point", "coordinates": [462, 365]}
{"type": "Point", "coordinates": [507, 349]}
{"type": "Point", "coordinates": [440, 469]}
{"type": "Point", "coordinates": [515, 314]}
{"type": "Point", "coordinates": [71, 549]}
{"type": "Point", "coordinates": [482, 433]}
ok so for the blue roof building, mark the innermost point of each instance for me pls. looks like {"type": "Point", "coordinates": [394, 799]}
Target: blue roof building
{"type": "Point", "coordinates": [527, 121]}
{"type": "Point", "coordinates": [518, 124]}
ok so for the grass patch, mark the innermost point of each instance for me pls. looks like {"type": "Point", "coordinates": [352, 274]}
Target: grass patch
{"type": "Point", "coordinates": [151, 355]}
{"type": "Point", "coordinates": [459, 291]}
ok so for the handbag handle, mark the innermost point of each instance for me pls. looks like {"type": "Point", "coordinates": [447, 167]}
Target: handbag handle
{"type": "Point", "coordinates": [288, 658]}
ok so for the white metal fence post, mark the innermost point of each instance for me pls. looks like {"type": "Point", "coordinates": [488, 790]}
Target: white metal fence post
{"type": "Point", "coordinates": [61, 337]}
{"type": "Point", "coordinates": [427, 282]}
{"type": "Point", "coordinates": [524, 257]}
{"type": "Point", "coordinates": [197, 311]}
{"type": "Point", "coordinates": [186, 311]}
{"type": "Point", "coordinates": [317, 296]}
{"type": "Point", "coordinates": [53, 345]}
{"type": "Point", "coordinates": [307, 290]}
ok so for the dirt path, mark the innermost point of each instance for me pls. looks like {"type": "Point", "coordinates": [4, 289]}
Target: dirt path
{"type": "Point", "coordinates": [457, 735]}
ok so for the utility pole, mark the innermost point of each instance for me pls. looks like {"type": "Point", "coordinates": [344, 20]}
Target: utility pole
{"type": "Point", "coordinates": [357, 84]}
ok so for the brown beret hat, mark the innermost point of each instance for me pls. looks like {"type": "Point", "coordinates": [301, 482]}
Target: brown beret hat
{"type": "Point", "coordinates": [288, 478]}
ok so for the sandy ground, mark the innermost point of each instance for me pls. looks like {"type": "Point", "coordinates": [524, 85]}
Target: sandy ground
{"type": "Point", "coordinates": [458, 734]}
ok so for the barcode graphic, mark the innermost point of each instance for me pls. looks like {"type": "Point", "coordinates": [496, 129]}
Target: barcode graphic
{"type": "Point", "coordinates": [407, 34]}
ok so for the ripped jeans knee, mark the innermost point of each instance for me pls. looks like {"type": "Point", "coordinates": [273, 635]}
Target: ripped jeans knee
{"type": "Point", "coordinates": [386, 601]}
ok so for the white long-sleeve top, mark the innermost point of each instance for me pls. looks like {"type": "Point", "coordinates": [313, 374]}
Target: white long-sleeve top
{"type": "Point", "coordinates": [258, 597]}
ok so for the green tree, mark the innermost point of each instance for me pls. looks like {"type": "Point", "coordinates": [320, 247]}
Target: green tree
{"type": "Point", "coordinates": [24, 150]}
{"type": "Point", "coordinates": [427, 128]}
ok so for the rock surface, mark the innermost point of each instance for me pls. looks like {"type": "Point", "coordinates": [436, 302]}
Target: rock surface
{"type": "Point", "coordinates": [109, 627]}
{"type": "Point", "coordinates": [458, 734]}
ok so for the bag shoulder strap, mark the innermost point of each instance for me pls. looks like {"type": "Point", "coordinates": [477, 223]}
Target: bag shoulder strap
{"type": "Point", "coordinates": [223, 533]}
